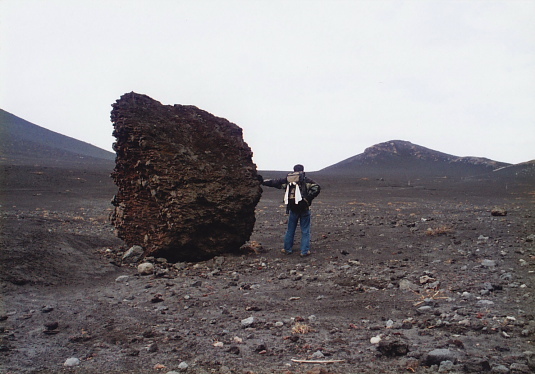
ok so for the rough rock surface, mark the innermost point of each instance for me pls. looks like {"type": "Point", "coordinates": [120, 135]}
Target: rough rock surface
{"type": "Point", "coordinates": [187, 186]}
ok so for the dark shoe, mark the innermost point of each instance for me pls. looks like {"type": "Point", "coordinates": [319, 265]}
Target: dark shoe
{"type": "Point", "coordinates": [286, 252]}
{"type": "Point", "coordinates": [305, 254]}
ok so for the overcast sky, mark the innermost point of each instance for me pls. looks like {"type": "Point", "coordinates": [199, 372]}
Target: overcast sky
{"type": "Point", "coordinates": [311, 82]}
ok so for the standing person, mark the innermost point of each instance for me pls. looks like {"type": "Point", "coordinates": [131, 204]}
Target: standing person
{"type": "Point", "coordinates": [300, 191]}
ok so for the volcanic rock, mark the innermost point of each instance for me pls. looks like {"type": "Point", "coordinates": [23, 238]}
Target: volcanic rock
{"type": "Point", "coordinates": [187, 186]}
{"type": "Point", "coordinates": [499, 212]}
{"type": "Point", "coordinates": [393, 348]}
{"type": "Point", "coordinates": [183, 366]}
{"type": "Point", "coordinates": [72, 361]}
{"type": "Point", "coordinates": [436, 356]}
{"type": "Point", "coordinates": [134, 254]}
{"type": "Point", "coordinates": [145, 268]}
{"type": "Point", "coordinates": [248, 322]}
{"type": "Point", "coordinates": [52, 325]}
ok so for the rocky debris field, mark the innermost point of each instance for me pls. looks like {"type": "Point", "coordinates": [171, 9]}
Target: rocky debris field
{"type": "Point", "coordinates": [419, 279]}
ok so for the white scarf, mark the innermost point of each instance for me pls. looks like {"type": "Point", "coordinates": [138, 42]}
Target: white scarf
{"type": "Point", "coordinates": [298, 197]}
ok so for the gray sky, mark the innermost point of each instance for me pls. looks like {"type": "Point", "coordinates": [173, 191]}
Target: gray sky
{"type": "Point", "coordinates": [311, 82]}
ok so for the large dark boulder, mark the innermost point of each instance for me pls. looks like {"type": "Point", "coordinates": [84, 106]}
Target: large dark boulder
{"type": "Point", "coordinates": [187, 186]}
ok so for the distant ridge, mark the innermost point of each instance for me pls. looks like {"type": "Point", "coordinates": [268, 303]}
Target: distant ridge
{"type": "Point", "coordinates": [523, 170]}
{"type": "Point", "coordinates": [403, 158]}
{"type": "Point", "coordinates": [22, 142]}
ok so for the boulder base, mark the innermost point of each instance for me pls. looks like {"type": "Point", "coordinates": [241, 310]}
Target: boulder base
{"type": "Point", "coordinates": [187, 186]}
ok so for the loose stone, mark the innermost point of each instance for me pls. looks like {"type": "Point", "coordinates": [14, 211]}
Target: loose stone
{"type": "Point", "coordinates": [73, 361]}
{"type": "Point", "coordinates": [145, 268]}
{"type": "Point", "coordinates": [436, 356]}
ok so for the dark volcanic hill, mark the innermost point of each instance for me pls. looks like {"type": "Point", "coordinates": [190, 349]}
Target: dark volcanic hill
{"type": "Point", "coordinates": [523, 170]}
{"type": "Point", "coordinates": [22, 142]}
{"type": "Point", "coordinates": [403, 159]}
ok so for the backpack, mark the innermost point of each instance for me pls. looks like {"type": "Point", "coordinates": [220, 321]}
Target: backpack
{"type": "Point", "coordinates": [295, 188]}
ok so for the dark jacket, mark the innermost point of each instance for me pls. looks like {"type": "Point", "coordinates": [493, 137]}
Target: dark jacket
{"type": "Point", "coordinates": [309, 191]}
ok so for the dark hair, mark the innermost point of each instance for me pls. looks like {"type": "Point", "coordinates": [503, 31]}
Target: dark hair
{"type": "Point", "coordinates": [299, 167]}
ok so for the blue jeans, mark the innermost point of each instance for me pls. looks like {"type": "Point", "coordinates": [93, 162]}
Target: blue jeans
{"type": "Point", "coordinates": [304, 222]}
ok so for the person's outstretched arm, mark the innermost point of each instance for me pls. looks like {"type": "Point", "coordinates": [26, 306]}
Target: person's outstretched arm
{"type": "Point", "coordinates": [277, 183]}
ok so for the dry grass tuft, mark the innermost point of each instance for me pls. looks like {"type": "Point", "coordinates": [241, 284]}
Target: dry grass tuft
{"type": "Point", "coordinates": [429, 294]}
{"type": "Point", "coordinates": [301, 328]}
{"type": "Point", "coordinates": [253, 246]}
{"type": "Point", "coordinates": [441, 230]}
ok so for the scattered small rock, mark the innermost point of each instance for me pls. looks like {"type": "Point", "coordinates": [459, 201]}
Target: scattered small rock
{"type": "Point", "coordinates": [391, 348]}
{"type": "Point", "coordinates": [445, 366]}
{"type": "Point", "coordinates": [488, 263]}
{"type": "Point", "coordinates": [260, 348]}
{"type": "Point", "coordinates": [318, 355]}
{"type": "Point", "coordinates": [476, 365]}
{"type": "Point", "coordinates": [51, 325]}
{"type": "Point", "coordinates": [145, 268]}
{"type": "Point", "coordinates": [485, 302]}
{"type": "Point", "coordinates": [122, 278]}
{"type": "Point", "coordinates": [436, 356]}
{"type": "Point", "coordinates": [499, 212]}
{"type": "Point", "coordinates": [73, 361]}
{"type": "Point", "coordinates": [520, 368]}
{"type": "Point", "coordinates": [406, 285]}
{"type": "Point", "coordinates": [426, 279]}
{"type": "Point", "coordinates": [45, 309]}
{"type": "Point", "coordinates": [234, 350]}
{"type": "Point", "coordinates": [247, 322]}
{"type": "Point", "coordinates": [133, 255]}
{"type": "Point", "coordinates": [132, 352]}
{"type": "Point", "coordinates": [375, 339]}
{"type": "Point", "coordinates": [500, 369]}
{"type": "Point", "coordinates": [424, 309]}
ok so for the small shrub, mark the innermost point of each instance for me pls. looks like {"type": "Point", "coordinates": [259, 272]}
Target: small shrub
{"type": "Point", "coordinates": [301, 328]}
{"type": "Point", "coordinates": [437, 231]}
